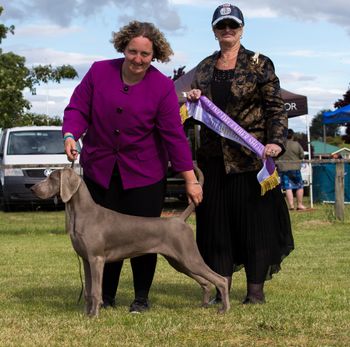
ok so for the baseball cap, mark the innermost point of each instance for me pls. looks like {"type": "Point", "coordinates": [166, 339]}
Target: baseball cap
{"type": "Point", "coordinates": [227, 11]}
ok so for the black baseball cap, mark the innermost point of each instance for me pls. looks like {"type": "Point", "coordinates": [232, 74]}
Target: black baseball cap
{"type": "Point", "coordinates": [227, 11]}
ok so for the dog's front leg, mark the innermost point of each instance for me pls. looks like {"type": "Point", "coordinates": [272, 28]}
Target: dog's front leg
{"type": "Point", "coordinates": [87, 289]}
{"type": "Point", "coordinates": [96, 269]}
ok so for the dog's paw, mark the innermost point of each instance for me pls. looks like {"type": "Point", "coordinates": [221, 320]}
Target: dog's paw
{"type": "Point", "coordinates": [223, 309]}
{"type": "Point", "coordinates": [205, 305]}
{"type": "Point", "coordinates": [94, 312]}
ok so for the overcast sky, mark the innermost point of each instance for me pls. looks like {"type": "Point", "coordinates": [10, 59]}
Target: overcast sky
{"type": "Point", "coordinates": [308, 41]}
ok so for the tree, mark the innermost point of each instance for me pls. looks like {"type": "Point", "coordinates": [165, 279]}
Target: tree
{"type": "Point", "coordinates": [178, 73]}
{"type": "Point", "coordinates": [38, 119]}
{"type": "Point", "coordinates": [341, 103]}
{"type": "Point", "coordinates": [316, 128]}
{"type": "Point", "coordinates": [15, 77]}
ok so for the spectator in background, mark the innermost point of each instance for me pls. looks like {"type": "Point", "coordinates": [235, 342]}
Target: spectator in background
{"type": "Point", "coordinates": [336, 156]}
{"type": "Point", "coordinates": [290, 172]}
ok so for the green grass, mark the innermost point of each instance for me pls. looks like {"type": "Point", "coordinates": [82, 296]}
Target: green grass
{"type": "Point", "coordinates": [308, 302]}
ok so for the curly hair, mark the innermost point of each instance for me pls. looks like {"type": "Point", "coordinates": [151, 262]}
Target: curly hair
{"type": "Point", "coordinates": [161, 47]}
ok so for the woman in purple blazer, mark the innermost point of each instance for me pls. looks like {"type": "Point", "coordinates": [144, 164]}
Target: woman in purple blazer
{"type": "Point", "coordinates": [128, 112]}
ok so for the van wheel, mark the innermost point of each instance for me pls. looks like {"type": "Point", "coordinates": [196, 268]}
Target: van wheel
{"type": "Point", "coordinates": [1, 198]}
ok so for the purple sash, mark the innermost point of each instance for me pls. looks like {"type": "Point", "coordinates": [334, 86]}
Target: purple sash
{"type": "Point", "coordinates": [209, 114]}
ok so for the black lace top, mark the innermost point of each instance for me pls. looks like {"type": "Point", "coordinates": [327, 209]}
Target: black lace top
{"type": "Point", "coordinates": [220, 91]}
{"type": "Point", "coordinates": [221, 86]}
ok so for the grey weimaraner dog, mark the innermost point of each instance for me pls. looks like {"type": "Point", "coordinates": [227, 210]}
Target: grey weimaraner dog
{"type": "Point", "coordinates": [101, 235]}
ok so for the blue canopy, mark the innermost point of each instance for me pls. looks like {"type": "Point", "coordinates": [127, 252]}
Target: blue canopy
{"type": "Point", "coordinates": [340, 115]}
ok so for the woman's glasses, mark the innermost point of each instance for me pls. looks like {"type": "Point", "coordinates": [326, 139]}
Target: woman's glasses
{"type": "Point", "coordinates": [224, 24]}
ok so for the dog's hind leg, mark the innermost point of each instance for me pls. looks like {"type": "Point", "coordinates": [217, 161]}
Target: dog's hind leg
{"type": "Point", "coordinates": [206, 285]}
{"type": "Point", "coordinates": [199, 268]}
{"type": "Point", "coordinates": [96, 268]}
{"type": "Point", "coordinates": [195, 267]}
{"type": "Point", "coordinates": [87, 289]}
{"type": "Point", "coordinates": [224, 291]}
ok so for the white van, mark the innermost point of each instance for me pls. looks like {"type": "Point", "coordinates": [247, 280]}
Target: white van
{"type": "Point", "coordinates": [27, 155]}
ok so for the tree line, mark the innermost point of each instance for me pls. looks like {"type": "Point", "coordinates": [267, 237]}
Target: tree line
{"type": "Point", "coordinates": [15, 77]}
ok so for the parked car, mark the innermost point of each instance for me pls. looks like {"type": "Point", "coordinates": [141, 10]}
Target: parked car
{"type": "Point", "coordinates": [175, 183]}
{"type": "Point", "coordinates": [175, 186]}
{"type": "Point", "coordinates": [27, 156]}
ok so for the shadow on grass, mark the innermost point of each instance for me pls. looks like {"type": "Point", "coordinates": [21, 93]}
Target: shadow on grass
{"type": "Point", "coordinates": [59, 298]}
{"type": "Point", "coordinates": [65, 298]}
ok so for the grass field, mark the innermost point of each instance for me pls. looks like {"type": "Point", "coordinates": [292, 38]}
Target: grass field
{"type": "Point", "coordinates": [308, 302]}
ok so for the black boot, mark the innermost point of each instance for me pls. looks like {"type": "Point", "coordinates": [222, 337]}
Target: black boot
{"type": "Point", "coordinates": [255, 294]}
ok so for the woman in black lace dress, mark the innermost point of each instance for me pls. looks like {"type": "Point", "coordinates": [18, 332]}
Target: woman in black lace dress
{"type": "Point", "coordinates": [236, 226]}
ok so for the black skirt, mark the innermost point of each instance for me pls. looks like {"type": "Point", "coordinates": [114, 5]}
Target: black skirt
{"type": "Point", "coordinates": [237, 227]}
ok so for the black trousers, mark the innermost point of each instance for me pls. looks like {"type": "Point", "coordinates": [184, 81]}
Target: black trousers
{"type": "Point", "coordinates": [144, 201]}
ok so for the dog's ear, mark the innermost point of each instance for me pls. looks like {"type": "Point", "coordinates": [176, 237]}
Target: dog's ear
{"type": "Point", "coordinates": [70, 182]}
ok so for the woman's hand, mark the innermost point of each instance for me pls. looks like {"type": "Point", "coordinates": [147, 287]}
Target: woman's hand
{"type": "Point", "coordinates": [70, 147]}
{"type": "Point", "coordinates": [194, 192]}
{"type": "Point", "coordinates": [193, 188]}
{"type": "Point", "coordinates": [193, 95]}
{"type": "Point", "coordinates": [272, 150]}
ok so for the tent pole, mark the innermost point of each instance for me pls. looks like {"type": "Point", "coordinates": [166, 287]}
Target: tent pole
{"type": "Point", "coordinates": [309, 155]}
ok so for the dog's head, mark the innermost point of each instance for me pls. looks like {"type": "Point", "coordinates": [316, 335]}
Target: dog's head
{"type": "Point", "coordinates": [63, 182]}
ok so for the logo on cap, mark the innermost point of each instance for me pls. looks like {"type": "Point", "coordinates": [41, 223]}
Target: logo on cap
{"type": "Point", "coordinates": [225, 10]}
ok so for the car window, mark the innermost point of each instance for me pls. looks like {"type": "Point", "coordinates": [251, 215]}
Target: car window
{"type": "Point", "coordinates": [35, 142]}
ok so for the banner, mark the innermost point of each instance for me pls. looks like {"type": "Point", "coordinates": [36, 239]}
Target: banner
{"type": "Point", "coordinates": [210, 115]}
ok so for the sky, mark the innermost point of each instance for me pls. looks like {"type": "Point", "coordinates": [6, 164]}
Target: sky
{"type": "Point", "coordinates": [308, 41]}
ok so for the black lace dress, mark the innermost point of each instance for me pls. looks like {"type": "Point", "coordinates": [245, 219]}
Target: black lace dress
{"type": "Point", "coordinates": [236, 226]}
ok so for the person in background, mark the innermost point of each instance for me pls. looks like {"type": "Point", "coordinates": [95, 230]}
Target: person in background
{"type": "Point", "coordinates": [129, 113]}
{"type": "Point", "coordinates": [236, 226]}
{"type": "Point", "coordinates": [290, 173]}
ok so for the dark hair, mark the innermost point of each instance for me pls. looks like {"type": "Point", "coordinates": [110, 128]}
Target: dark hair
{"type": "Point", "coordinates": [290, 134]}
{"type": "Point", "coordinates": [161, 47]}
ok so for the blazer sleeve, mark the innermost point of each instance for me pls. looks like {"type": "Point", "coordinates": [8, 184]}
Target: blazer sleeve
{"type": "Point", "coordinates": [78, 111]}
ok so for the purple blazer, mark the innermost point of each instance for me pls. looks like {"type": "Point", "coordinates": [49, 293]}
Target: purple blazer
{"type": "Point", "coordinates": [138, 126]}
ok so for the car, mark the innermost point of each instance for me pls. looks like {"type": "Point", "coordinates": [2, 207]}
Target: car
{"type": "Point", "coordinates": [27, 155]}
{"type": "Point", "coordinates": [175, 183]}
{"type": "Point", "coordinates": [175, 187]}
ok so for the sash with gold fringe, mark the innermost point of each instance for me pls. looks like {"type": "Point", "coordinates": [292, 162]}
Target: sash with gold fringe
{"type": "Point", "coordinates": [209, 114]}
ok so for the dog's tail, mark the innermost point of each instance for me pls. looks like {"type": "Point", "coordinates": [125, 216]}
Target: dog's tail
{"type": "Point", "coordinates": [191, 207]}
{"type": "Point", "coordinates": [188, 211]}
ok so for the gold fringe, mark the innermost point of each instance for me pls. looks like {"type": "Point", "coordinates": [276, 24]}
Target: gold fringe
{"type": "Point", "coordinates": [183, 113]}
{"type": "Point", "coordinates": [270, 183]}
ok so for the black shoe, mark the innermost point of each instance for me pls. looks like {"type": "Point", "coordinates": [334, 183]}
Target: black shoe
{"type": "Point", "coordinates": [107, 303]}
{"type": "Point", "coordinates": [252, 300]}
{"type": "Point", "coordinates": [139, 305]}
